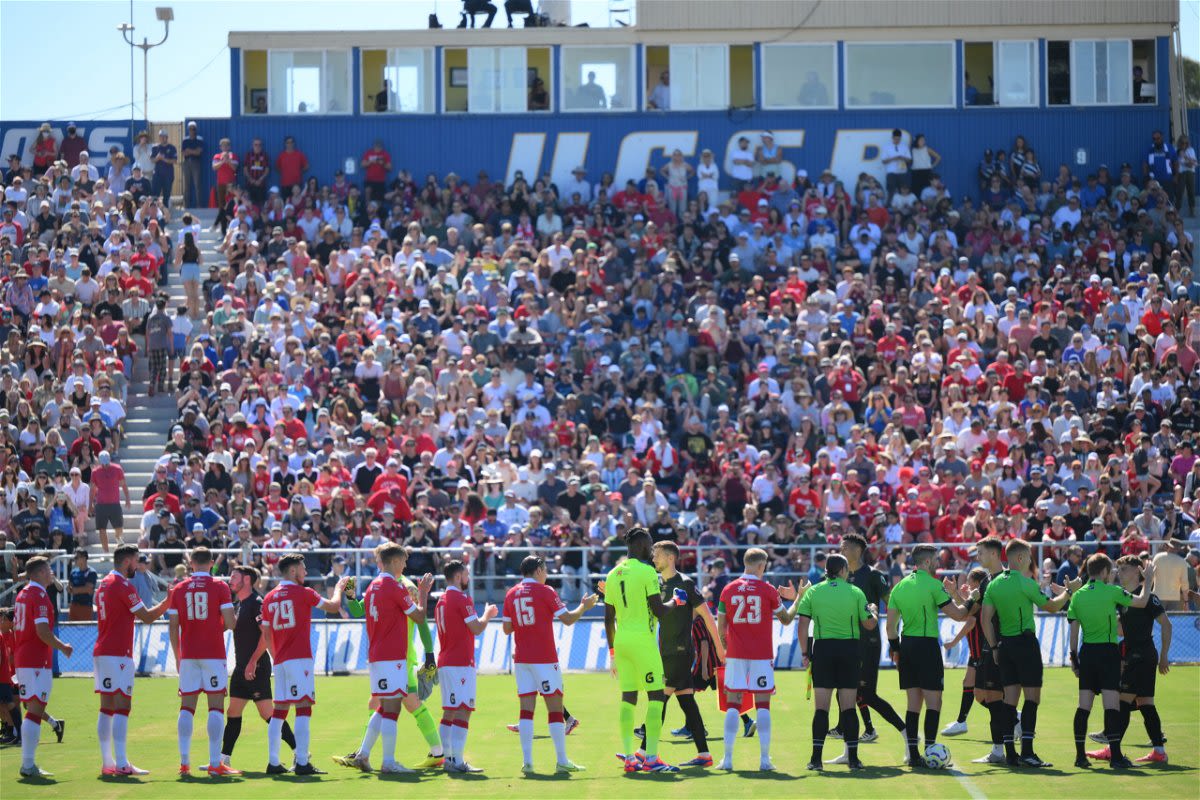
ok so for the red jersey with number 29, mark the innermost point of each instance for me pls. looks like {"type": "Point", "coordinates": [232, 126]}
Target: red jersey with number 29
{"type": "Point", "coordinates": [532, 607]}
{"type": "Point", "coordinates": [287, 611]}
{"type": "Point", "coordinates": [750, 604]}
{"type": "Point", "coordinates": [454, 611]}
{"type": "Point", "coordinates": [388, 605]}
{"type": "Point", "coordinates": [197, 603]}
{"type": "Point", "coordinates": [116, 601]}
{"type": "Point", "coordinates": [32, 606]}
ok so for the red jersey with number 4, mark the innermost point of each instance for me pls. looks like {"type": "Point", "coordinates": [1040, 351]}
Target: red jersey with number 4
{"type": "Point", "coordinates": [116, 601]}
{"type": "Point", "coordinates": [197, 604]}
{"type": "Point", "coordinates": [454, 611]}
{"type": "Point", "coordinates": [287, 611]}
{"type": "Point", "coordinates": [388, 605]}
{"type": "Point", "coordinates": [750, 604]}
{"type": "Point", "coordinates": [32, 606]}
{"type": "Point", "coordinates": [532, 607]}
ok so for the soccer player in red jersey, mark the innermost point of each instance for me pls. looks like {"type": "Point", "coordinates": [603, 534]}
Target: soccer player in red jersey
{"type": "Point", "coordinates": [530, 609]}
{"type": "Point", "coordinates": [117, 605]}
{"type": "Point", "coordinates": [745, 620]}
{"type": "Point", "coordinates": [287, 628]}
{"type": "Point", "coordinates": [388, 607]}
{"type": "Point", "coordinates": [35, 643]}
{"type": "Point", "coordinates": [457, 627]}
{"type": "Point", "coordinates": [200, 610]}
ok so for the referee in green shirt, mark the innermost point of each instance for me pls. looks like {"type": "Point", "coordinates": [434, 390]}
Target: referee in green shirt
{"type": "Point", "coordinates": [1093, 611]}
{"type": "Point", "coordinates": [836, 608]}
{"type": "Point", "coordinates": [1008, 626]}
{"type": "Point", "coordinates": [913, 612]}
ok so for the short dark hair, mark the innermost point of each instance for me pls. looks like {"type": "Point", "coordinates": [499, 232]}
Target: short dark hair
{"type": "Point", "coordinates": [202, 556]}
{"type": "Point", "coordinates": [289, 561]}
{"type": "Point", "coordinates": [636, 533]}
{"type": "Point", "coordinates": [855, 539]}
{"type": "Point", "coordinates": [123, 552]}
{"type": "Point", "coordinates": [1098, 564]}
{"type": "Point", "coordinates": [979, 575]}
{"type": "Point", "coordinates": [670, 548]}
{"type": "Point", "coordinates": [990, 543]}
{"type": "Point", "coordinates": [389, 552]}
{"type": "Point", "coordinates": [452, 568]}
{"type": "Point", "coordinates": [250, 572]}
{"type": "Point", "coordinates": [835, 563]}
{"type": "Point", "coordinates": [530, 565]}
{"type": "Point", "coordinates": [922, 552]}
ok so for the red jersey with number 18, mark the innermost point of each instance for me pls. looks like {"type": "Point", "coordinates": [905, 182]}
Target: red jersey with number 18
{"type": "Point", "coordinates": [454, 611]}
{"type": "Point", "coordinates": [116, 602]}
{"type": "Point", "coordinates": [749, 604]}
{"type": "Point", "coordinates": [287, 611]}
{"type": "Point", "coordinates": [32, 606]}
{"type": "Point", "coordinates": [197, 603]}
{"type": "Point", "coordinates": [387, 605]}
{"type": "Point", "coordinates": [532, 607]}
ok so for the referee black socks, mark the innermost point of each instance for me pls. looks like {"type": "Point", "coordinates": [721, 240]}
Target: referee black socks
{"type": "Point", "coordinates": [1028, 727]}
{"type": "Point", "coordinates": [1112, 732]}
{"type": "Point", "coordinates": [933, 718]}
{"type": "Point", "coordinates": [1080, 726]}
{"type": "Point", "coordinates": [912, 732]}
{"type": "Point", "coordinates": [820, 727]}
{"type": "Point", "coordinates": [849, 725]}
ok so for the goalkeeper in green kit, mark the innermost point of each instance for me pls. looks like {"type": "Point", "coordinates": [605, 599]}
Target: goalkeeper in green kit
{"type": "Point", "coordinates": [632, 608]}
{"type": "Point", "coordinates": [415, 705]}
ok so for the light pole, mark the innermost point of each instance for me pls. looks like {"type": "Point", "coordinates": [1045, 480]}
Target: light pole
{"type": "Point", "coordinates": [164, 14]}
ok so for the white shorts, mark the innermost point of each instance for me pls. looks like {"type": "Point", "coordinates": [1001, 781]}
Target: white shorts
{"type": "Point", "coordinates": [538, 679]}
{"type": "Point", "coordinates": [388, 678]}
{"type": "Point", "coordinates": [33, 683]}
{"type": "Point", "coordinates": [458, 687]}
{"type": "Point", "coordinates": [114, 675]}
{"type": "Point", "coordinates": [206, 675]}
{"type": "Point", "coordinates": [295, 680]}
{"type": "Point", "coordinates": [755, 675]}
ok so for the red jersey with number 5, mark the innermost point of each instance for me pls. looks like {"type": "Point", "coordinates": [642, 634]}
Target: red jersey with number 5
{"type": "Point", "coordinates": [387, 605]}
{"type": "Point", "coordinates": [532, 607]}
{"type": "Point", "coordinates": [116, 602]}
{"type": "Point", "coordinates": [32, 606]}
{"type": "Point", "coordinates": [749, 604]}
{"type": "Point", "coordinates": [457, 643]}
{"type": "Point", "coordinates": [197, 604]}
{"type": "Point", "coordinates": [287, 611]}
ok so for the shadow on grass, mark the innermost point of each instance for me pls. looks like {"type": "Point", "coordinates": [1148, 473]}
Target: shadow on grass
{"type": "Point", "coordinates": [868, 771]}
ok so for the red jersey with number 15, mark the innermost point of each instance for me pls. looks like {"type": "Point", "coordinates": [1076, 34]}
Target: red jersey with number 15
{"type": "Point", "coordinates": [287, 611]}
{"type": "Point", "coordinates": [387, 605]}
{"type": "Point", "coordinates": [31, 607]}
{"type": "Point", "coordinates": [532, 607]}
{"type": "Point", "coordinates": [116, 602]}
{"type": "Point", "coordinates": [197, 604]}
{"type": "Point", "coordinates": [749, 604]}
{"type": "Point", "coordinates": [454, 611]}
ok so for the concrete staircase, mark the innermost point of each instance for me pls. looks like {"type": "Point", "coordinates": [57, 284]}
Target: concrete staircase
{"type": "Point", "coordinates": [149, 419]}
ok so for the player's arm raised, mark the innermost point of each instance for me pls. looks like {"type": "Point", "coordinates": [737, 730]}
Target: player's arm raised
{"type": "Point", "coordinates": [572, 616]}
{"type": "Point", "coordinates": [795, 594]}
{"type": "Point", "coordinates": [421, 600]}
{"type": "Point", "coordinates": [1143, 597]}
{"type": "Point", "coordinates": [148, 615]}
{"type": "Point", "coordinates": [480, 623]}
{"type": "Point", "coordinates": [334, 604]}
{"type": "Point", "coordinates": [955, 611]}
{"type": "Point", "coordinates": [1060, 600]}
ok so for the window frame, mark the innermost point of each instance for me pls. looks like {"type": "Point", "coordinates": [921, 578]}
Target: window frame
{"type": "Point", "coordinates": [428, 53]}
{"type": "Point", "coordinates": [324, 51]}
{"type": "Point", "coordinates": [443, 75]}
{"type": "Point", "coordinates": [951, 44]}
{"type": "Point", "coordinates": [835, 90]}
{"type": "Point", "coordinates": [1128, 101]}
{"type": "Point", "coordinates": [1035, 86]}
{"type": "Point", "coordinates": [561, 89]}
{"type": "Point", "coordinates": [647, 88]}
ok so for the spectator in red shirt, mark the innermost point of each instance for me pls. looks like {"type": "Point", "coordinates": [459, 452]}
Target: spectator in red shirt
{"type": "Point", "coordinates": [291, 165]}
{"type": "Point", "coordinates": [225, 165]}
{"type": "Point", "coordinates": [376, 163]}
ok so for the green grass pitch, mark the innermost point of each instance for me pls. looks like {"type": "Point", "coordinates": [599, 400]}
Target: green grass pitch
{"type": "Point", "coordinates": [341, 713]}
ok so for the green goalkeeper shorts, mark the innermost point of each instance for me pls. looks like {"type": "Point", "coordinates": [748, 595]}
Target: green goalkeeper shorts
{"type": "Point", "coordinates": [639, 665]}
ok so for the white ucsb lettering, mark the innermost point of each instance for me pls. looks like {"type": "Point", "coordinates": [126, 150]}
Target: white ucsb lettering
{"type": "Point", "coordinates": [20, 140]}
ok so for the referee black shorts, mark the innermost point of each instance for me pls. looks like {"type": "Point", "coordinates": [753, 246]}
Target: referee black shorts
{"type": "Point", "coordinates": [835, 663]}
{"type": "Point", "coordinates": [255, 690]}
{"type": "Point", "coordinates": [1139, 671]}
{"type": "Point", "coordinates": [1099, 668]}
{"type": "Point", "coordinates": [868, 660]}
{"type": "Point", "coordinates": [677, 671]}
{"type": "Point", "coordinates": [1020, 661]}
{"type": "Point", "coordinates": [921, 663]}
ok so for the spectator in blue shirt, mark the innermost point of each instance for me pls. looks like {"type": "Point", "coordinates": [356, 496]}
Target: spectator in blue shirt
{"type": "Point", "coordinates": [1160, 163]}
{"type": "Point", "coordinates": [1068, 570]}
{"type": "Point", "coordinates": [1091, 195]}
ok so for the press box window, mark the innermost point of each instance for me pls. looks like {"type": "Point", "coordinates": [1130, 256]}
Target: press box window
{"type": "Point", "coordinates": [497, 80]}
{"type": "Point", "coordinates": [1000, 74]}
{"type": "Point", "coordinates": [909, 75]}
{"type": "Point", "coordinates": [307, 82]}
{"type": "Point", "coordinates": [399, 80]}
{"type": "Point", "coordinates": [799, 76]}
{"type": "Point", "coordinates": [1092, 72]}
{"type": "Point", "coordinates": [597, 78]}
{"type": "Point", "coordinates": [697, 77]}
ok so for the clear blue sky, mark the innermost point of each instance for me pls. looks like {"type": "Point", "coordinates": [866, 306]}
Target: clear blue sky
{"type": "Point", "coordinates": [189, 75]}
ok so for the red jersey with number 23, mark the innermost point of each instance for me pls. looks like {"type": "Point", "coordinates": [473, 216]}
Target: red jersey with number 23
{"type": "Point", "coordinates": [197, 603]}
{"type": "Point", "coordinates": [32, 606]}
{"type": "Point", "coordinates": [750, 604]}
{"type": "Point", "coordinates": [388, 605]}
{"type": "Point", "coordinates": [532, 607]}
{"type": "Point", "coordinates": [116, 602]}
{"type": "Point", "coordinates": [454, 611]}
{"type": "Point", "coordinates": [287, 611]}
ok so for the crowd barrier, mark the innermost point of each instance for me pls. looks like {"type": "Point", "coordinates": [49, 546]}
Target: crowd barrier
{"type": "Point", "coordinates": [340, 646]}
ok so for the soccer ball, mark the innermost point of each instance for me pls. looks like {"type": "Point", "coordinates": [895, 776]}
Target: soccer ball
{"type": "Point", "coordinates": [937, 756]}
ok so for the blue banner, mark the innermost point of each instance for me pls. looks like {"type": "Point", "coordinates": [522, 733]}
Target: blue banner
{"type": "Point", "coordinates": [341, 645]}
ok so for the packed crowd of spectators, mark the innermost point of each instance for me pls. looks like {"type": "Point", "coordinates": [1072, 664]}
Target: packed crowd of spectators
{"type": "Point", "coordinates": [538, 367]}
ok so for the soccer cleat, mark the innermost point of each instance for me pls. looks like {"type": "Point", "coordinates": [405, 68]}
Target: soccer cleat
{"type": "Point", "coordinates": [994, 757]}
{"type": "Point", "coordinates": [1081, 762]}
{"type": "Point", "coordinates": [572, 724]}
{"type": "Point", "coordinates": [869, 736]}
{"type": "Point", "coordinates": [955, 728]}
{"type": "Point", "coordinates": [464, 768]}
{"type": "Point", "coordinates": [726, 766]}
{"type": "Point", "coordinates": [185, 770]}
{"type": "Point", "coordinates": [223, 771]}
{"type": "Point", "coordinates": [59, 727]}
{"type": "Point", "coordinates": [394, 768]}
{"type": "Point", "coordinates": [1033, 761]}
{"type": "Point", "coordinates": [815, 766]}
{"type": "Point", "coordinates": [1098, 737]}
{"type": "Point", "coordinates": [1153, 757]}
{"type": "Point", "coordinates": [765, 765]}
{"type": "Point", "coordinates": [639, 732]}
{"type": "Point", "coordinates": [1103, 754]}
{"type": "Point", "coordinates": [698, 761]}
{"type": "Point", "coordinates": [855, 764]}
{"type": "Point", "coordinates": [132, 771]}
{"type": "Point", "coordinates": [108, 772]}
{"type": "Point", "coordinates": [35, 772]}
{"type": "Point", "coordinates": [515, 728]}
{"type": "Point", "coordinates": [527, 769]}
{"type": "Point", "coordinates": [842, 759]}
{"type": "Point", "coordinates": [631, 764]}
{"type": "Point", "coordinates": [277, 769]}
{"type": "Point", "coordinates": [748, 728]}
{"type": "Point", "coordinates": [431, 762]}
{"type": "Point", "coordinates": [347, 760]}
{"type": "Point", "coordinates": [834, 734]}
{"type": "Point", "coordinates": [682, 733]}
{"type": "Point", "coordinates": [308, 769]}
{"type": "Point", "coordinates": [567, 767]}
{"type": "Point", "coordinates": [1120, 762]}
{"type": "Point", "coordinates": [656, 764]}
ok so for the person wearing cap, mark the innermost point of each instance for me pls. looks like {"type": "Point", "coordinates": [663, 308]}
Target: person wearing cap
{"type": "Point", "coordinates": [164, 155]}
{"type": "Point", "coordinates": [107, 484]}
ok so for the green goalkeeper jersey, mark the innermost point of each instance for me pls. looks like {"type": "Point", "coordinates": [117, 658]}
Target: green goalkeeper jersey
{"type": "Point", "coordinates": [628, 589]}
